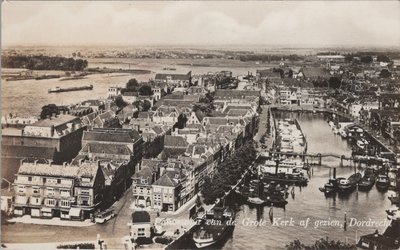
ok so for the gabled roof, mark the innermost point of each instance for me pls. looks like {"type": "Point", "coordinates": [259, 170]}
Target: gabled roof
{"type": "Point", "coordinates": [111, 135]}
{"type": "Point", "coordinates": [168, 179]}
{"type": "Point", "coordinates": [174, 141]}
{"type": "Point", "coordinates": [140, 217]}
{"type": "Point", "coordinates": [105, 148]}
{"type": "Point", "coordinates": [28, 152]}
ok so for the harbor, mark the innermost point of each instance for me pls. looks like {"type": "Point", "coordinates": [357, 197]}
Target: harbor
{"type": "Point", "coordinates": [306, 202]}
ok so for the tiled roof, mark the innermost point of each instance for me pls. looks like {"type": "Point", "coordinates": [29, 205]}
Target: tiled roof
{"type": "Point", "coordinates": [140, 217]}
{"type": "Point", "coordinates": [168, 179]}
{"type": "Point", "coordinates": [145, 115]}
{"type": "Point", "coordinates": [237, 112]}
{"type": "Point", "coordinates": [28, 152]}
{"type": "Point", "coordinates": [314, 72]}
{"type": "Point", "coordinates": [174, 141]}
{"type": "Point", "coordinates": [111, 135]}
{"type": "Point", "coordinates": [55, 121]}
{"type": "Point", "coordinates": [130, 94]}
{"type": "Point", "coordinates": [48, 170]}
{"type": "Point", "coordinates": [105, 148]}
{"type": "Point", "coordinates": [236, 94]}
{"type": "Point", "coordinates": [174, 152]}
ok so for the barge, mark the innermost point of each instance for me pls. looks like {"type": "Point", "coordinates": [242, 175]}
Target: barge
{"type": "Point", "coordinates": [58, 89]}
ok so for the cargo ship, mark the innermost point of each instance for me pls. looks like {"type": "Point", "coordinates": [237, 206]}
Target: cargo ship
{"type": "Point", "coordinates": [58, 89]}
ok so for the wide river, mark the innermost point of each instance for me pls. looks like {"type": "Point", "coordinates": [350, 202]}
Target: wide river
{"type": "Point", "coordinates": [27, 97]}
{"type": "Point", "coordinates": [310, 203]}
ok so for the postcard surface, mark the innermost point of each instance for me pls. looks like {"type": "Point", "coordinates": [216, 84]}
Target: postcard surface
{"type": "Point", "coordinates": [190, 124]}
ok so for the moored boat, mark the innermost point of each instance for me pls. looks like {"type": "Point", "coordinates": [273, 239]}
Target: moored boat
{"type": "Point", "coordinates": [382, 182]}
{"type": "Point", "coordinates": [367, 181]}
{"type": "Point", "coordinates": [220, 223]}
{"type": "Point", "coordinates": [350, 184]}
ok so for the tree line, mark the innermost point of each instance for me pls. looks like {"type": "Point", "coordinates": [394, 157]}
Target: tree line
{"type": "Point", "coordinates": [40, 62]}
{"type": "Point", "coordinates": [228, 173]}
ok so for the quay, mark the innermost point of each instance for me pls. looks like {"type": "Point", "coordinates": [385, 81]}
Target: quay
{"type": "Point", "coordinates": [387, 154]}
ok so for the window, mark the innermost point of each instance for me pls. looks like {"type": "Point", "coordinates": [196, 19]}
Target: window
{"type": "Point", "coordinates": [50, 191]}
{"type": "Point", "coordinates": [65, 203]}
{"type": "Point", "coordinates": [85, 192]}
{"type": "Point", "coordinates": [30, 178]}
{"type": "Point", "coordinates": [44, 180]}
{"type": "Point", "coordinates": [21, 189]}
{"type": "Point", "coordinates": [65, 193]}
{"type": "Point", "coordinates": [141, 232]}
{"type": "Point", "coordinates": [35, 190]}
{"type": "Point", "coordinates": [85, 201]}
{"type": "Point", "coordinates": [50, 202]}
{"type": "Point", "coordinates": [58, 181]}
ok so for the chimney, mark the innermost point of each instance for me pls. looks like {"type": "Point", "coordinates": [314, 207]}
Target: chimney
{"type": "Point", "coordinates": [334, 173]}
{"type": "Point", "coordinates": [35, 162]}
{"type": "Point", "coordinates": [81, 161]}
{"type": "Point", "coordinates": [64, 164]}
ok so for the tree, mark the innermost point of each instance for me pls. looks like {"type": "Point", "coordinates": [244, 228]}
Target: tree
{"type": "Point", "coordinates": [208, 191]}
{"type": "Point", "coordinates": [132, 84]}
{"type": "Point", "coordinates": [334, 82]}
{"type": "Point", "coordinates": [145, 90]}
{"type": "Point", "coordinates": [119, 101]}
{"type": "Point", "coordinates": [181, 123]}
{"type": "Point", "coordinates": [49, 110]}
{"type": "Point", "coordinates": [385, 73]}
{"type": "Point", "coordinates": [366, 59]}
{"type": "Point", "coordinates": [383, 58]}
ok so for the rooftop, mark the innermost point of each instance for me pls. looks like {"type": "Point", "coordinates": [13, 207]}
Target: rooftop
{"type": "Point", "coordinates": [55, 121]}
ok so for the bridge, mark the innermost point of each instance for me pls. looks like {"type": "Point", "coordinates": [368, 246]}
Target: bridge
{"type": "Point", "coordinates": [319, 156]}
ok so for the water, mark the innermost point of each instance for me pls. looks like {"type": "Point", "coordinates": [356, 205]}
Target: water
{"type": "Point", "coordinates": [26, 98]}
{"type": "Point", "coordinates": [310, 203]}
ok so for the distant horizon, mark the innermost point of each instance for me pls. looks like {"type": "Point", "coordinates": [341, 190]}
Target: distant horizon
{"type": "Point", "coordinates": [206, 46]}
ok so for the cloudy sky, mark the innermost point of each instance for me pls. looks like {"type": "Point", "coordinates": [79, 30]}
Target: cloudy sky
{"type": "Point", "coordinates": [291, 23]}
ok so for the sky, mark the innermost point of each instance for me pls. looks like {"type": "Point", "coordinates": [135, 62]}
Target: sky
{"type": "Point", "coordinates": [268, 23]}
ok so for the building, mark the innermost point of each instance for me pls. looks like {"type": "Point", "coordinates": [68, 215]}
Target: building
{"type": "Point", "coordinates": [118, 150]}
{"type": "Point", "coordinates": [57, 139]}
{"type": "Point", "coordinates": [182, 80]}
{"type": "Point", "coordinates": [107, 119]}
{"type": "Point", "coordinates": [140, 227]}
{"type": "Point", "coordinates": [113, 92]}
{"type": "Point", "coordinates": [167, 189]}
{"type": "Point", "coordinates": [147, 173]}
{"type": "Point", "coordinates": [64, 191]}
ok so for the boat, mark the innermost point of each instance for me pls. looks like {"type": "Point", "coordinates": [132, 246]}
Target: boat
{"type": "Point", "coordinates": [58, 89]}
{"type": "Point", "coordinates": [392, 213]}
{"type": "Point", "coordinates": [382, 182]}
{"type": "Point", "coordinates": [390, 239]}
{"type": "Point", "coordinates": [349, 185]}
{"type": "Point", "coordinates": [343, 133]}
{"type": "Point", "coordinates": [331, 187]}
{"type": "Point", "coordinates": [286, 179]}
{"type": "Point", "coordinates": [214, 228]}
{"type": "Point", "coordinates": [255, 200]}
{"type": "Point", "coordinates": [361, 143]}
{"type": "Point", "coordinates": [395, 200]}
{"type": "Point", "coordinates": [367, 181]}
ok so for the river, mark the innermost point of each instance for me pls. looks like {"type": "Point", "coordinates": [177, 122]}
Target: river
{"type": "Point", "coordinates": [310, 203]}
{"type": "Point", "coordinates": [27, 97]}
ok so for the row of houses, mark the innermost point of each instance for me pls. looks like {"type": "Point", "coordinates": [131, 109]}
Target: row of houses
{"type": "Point", "coordinates": [189, 154]}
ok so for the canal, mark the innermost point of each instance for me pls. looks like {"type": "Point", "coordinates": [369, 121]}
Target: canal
{"type": "Point", "coordinates": [310, 203]}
